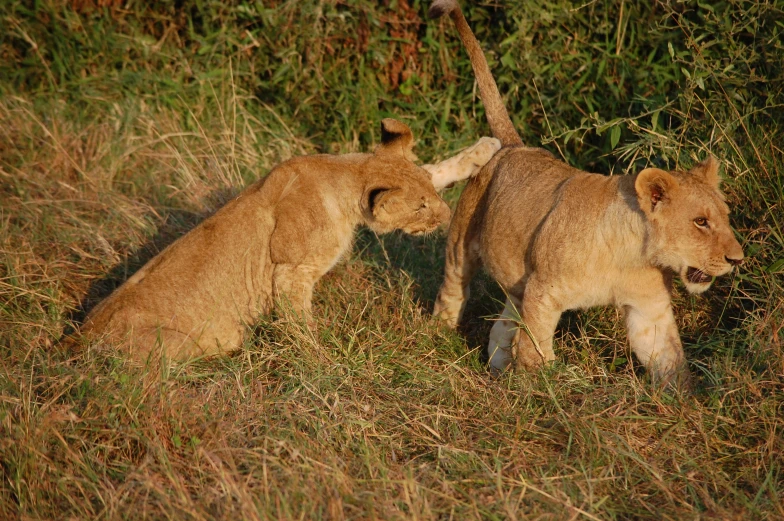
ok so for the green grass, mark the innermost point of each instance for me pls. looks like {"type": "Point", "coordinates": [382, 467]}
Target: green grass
{"type": "Point", "coordinates": [122, 126]}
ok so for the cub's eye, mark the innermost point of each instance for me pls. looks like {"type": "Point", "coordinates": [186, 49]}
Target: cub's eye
{"type": "Point", "coordinates": [701, 222]}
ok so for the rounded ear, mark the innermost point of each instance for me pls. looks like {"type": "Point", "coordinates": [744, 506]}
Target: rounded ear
{"type": "Point", "coordinates": [373, 200]}
{"type": "Point", "coordinates": [654, 187]}
{"type": "Point", "coordinates": [396, 139]}
{"type": "Point", "coordinates": [708, 171]}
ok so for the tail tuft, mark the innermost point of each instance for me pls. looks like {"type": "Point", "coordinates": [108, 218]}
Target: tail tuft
{"type": "Point", "coordinates": [441, 7]}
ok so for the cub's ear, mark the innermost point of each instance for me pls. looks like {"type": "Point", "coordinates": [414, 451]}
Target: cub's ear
{"type": "Point", "coordinates": [373, 200]}
{"type": "Point", "coordinates": [708, 171]}
{"type": "Point", "coordinates": [396, 140]}
{"type": "Point", "coordinates": [654, 187]}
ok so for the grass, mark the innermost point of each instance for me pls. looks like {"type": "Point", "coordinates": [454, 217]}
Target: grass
{"type": "Point", "coordinates": [123, 124]}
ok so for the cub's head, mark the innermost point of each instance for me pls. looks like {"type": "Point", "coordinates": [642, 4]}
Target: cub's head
{"type": "Point", "coordinates": [399, 194]}
{"type": "Point", "coordinates": [691, 231]}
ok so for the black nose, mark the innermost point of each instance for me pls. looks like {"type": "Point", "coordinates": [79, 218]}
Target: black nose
{"type": "Point", "coordinates": [734, 262]}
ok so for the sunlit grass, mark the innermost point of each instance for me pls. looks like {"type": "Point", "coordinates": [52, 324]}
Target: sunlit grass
{"type": "Point", "coordinates": [121, 127]}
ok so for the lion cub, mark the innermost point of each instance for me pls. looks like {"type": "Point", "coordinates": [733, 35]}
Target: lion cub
{"type": "Point", "coordinates": [273, 242]}
{"type": "Point", "coordinates": [556, 238]}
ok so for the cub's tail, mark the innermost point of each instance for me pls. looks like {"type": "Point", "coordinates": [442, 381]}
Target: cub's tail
{"type": "Point", "coordinates": [500, 123]}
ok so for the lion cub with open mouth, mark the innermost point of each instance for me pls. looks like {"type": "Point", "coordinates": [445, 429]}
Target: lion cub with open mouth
{"type": "Point", "coordinates": [557, 238]}
{"type": "Point", "coordinates": [273, 242]}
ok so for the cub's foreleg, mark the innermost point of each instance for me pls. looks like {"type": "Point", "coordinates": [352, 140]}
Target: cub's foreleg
{"type": "Point", "coordinates": [292, 287]}
{"type": "Point", "coordinates": [653, 336]}
{"type": "Point", "coordinates": [305, 244]}
{"type": "Point", "coordinates": [179, 346]}
{"type": "Point", "coordinates": [463, 165]}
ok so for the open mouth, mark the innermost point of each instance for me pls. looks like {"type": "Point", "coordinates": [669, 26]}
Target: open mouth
{"type": "Point", "coordinates": [697, 276]}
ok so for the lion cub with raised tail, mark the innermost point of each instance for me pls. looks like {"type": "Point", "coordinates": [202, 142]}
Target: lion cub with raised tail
{"type": "Point", "coordinates": [273, 242]}
{"type": "Point", "coordinates": [556, 238]}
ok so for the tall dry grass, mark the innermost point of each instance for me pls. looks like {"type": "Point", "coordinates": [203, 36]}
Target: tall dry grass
{"type": "Point", "coordinates": [123, 124]}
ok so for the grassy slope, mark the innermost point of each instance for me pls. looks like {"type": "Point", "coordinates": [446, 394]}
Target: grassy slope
{"type": "Point", "coordinates": [121, 127]}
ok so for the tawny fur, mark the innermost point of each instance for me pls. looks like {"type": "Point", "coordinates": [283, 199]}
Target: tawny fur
{"type": "Point", "coordinates": [272, 243]}
{"type": "Point", "coordinates": [557, 238]}
{"type": "Point", "coordinates": [463, 165]}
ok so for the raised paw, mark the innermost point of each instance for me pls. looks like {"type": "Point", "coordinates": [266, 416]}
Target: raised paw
{"type": "Point", "coordinates": [464, 165]}
{"type": "Point", "coordinates": [482, 151]}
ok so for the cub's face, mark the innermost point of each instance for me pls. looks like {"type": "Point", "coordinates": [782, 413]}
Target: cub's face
{"type": "Point", "coordinates": [400, 195]}
{"type": "Point", "coordinates": [691, 231]}
{"type": "Point", "coordinates": [406, 201]}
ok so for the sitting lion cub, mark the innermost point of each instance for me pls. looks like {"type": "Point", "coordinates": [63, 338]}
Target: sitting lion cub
{"type": "Point", "coordinates": [273, 242]}
{"type": "Point", "coordinates": [557, 238]}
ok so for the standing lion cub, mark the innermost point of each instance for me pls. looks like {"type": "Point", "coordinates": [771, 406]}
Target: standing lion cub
{"type": "Point", "coordinates": [557, 238]}
{"type": "Point", "coordinates": [273, 242]}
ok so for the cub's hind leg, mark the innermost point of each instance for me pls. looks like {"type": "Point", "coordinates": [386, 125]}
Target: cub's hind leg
{"type": "Point", "coordinates": [463, 255]}
{"type": "Point", "coordinates": [463, 258]}
{"type": "Point", "coordinates": [499, 348]}
{"type": "Point", "coordinates": [539, 315]}
{"type": "Point", "coordinates": [462, 263]}
{"type": "Point", "coordinates": [461, 266]}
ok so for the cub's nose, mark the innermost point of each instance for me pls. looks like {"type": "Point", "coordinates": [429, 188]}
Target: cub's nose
{"type": "Point", "coordinates": [733, 253]}
{"type": "Point", "coordinates": [734, 261]}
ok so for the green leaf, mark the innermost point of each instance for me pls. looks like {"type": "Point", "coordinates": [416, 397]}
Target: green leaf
{"type": "Point", "coordinates": [775, 267]}
{"type": "Point", "coordinates": [751, 279]}
{"type": "Point", "coordinates": [507, 59]}
{"type": "Point", "coordinates": [615, 136]}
